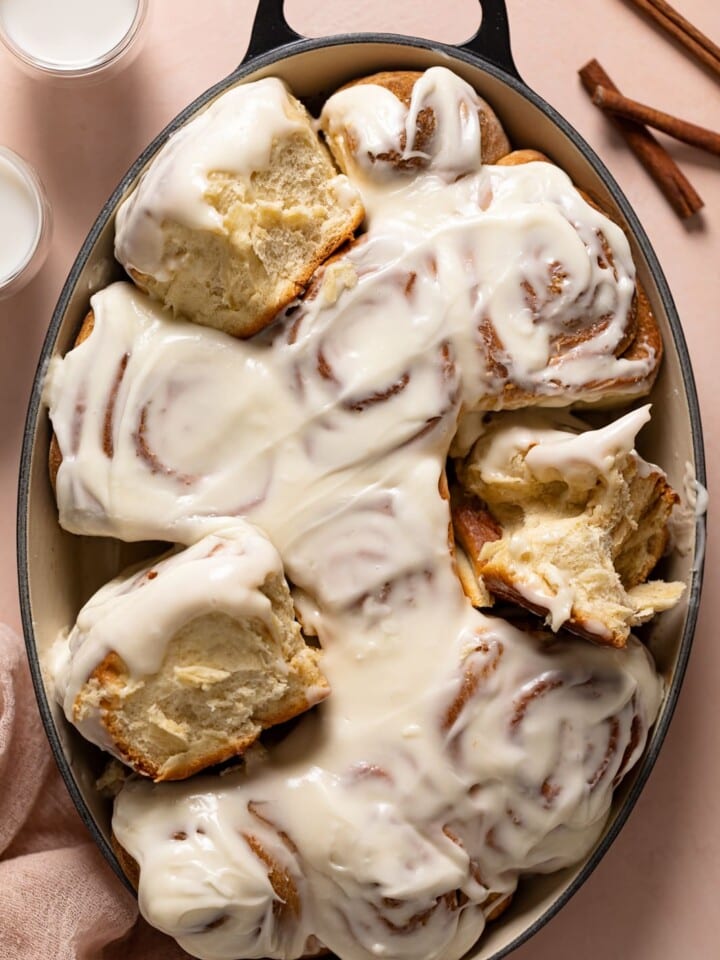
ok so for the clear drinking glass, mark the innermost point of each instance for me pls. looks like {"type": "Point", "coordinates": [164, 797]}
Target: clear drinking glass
{"type": "Point", "coordinates": [71, 39]}
{"type": "Point", "coordinates": [25, 223]}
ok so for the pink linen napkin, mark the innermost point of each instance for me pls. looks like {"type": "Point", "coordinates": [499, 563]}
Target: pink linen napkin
{"type": "Point", "coordinates": [59, 900]}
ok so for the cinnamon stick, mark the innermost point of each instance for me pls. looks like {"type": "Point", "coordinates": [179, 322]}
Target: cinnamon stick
{"type": "Point", "coordinates": [657, 161]}
{"type": "Point", "coordinates": [675, 127]}
{"type": "Point", "coordinates": [701, 47]}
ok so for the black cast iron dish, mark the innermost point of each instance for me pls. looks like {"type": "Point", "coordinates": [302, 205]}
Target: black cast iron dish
{"type": "Point", "coordinates": [58, 572]}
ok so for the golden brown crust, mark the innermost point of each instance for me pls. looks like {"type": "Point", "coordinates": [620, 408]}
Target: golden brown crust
{"type": "Point", "coordinates": [130, 866]}
{"type": "Point", "coordinates": [517, 157]}
{"type": "Point", "coordinates": [501, 903]}
{"type": "Point", "coordinates": [473, 525]}
{"type": "Point", "coordinates": [647, 333]}
{"type": "Point", "coordinates": [87, 327]}
{"type": "Point", "coordinates": [399, 82]}
{"type": "Point", "coordinates": [54, 461]}
{"type": "Point", "coordinates": [280, 880]}
{"type": "Point", "coordinates": [54, 453]}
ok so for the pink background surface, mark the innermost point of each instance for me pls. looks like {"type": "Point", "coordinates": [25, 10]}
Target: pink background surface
{"type": "Point", "coordinates": [654, 895]}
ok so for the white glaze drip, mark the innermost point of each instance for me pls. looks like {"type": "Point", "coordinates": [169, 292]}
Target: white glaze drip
{"type": "Point", "coordinates": [684, 526]}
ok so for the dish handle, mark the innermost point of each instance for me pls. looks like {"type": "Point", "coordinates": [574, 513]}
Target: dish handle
{"type": "Point", "coordinates": [492, 40]}
{"type": "Point", "coordinates": [270, 31]}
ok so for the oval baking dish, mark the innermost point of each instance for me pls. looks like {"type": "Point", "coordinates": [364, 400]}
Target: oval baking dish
{"type": "Point", "coordinates": [58, 572]}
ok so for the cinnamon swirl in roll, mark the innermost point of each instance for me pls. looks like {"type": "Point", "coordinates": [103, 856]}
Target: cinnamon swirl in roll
{"type": "Point", "coordinates": [568, 524]}
{"type": "Point", "coordinates": [229, 221]}
{"type": "Point", "coordinates": [571, 720]}
{"type": "Point", "coordinates": [177, 665]}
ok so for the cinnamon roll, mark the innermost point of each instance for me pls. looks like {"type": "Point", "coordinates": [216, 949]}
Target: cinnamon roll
{"type": "Point", "coordinates": [570, 721]}
{"type": "Point", "coordinates": [149, 418]}
{"type": "Point", "coordinates": [238, 208]}
{"type": "Point", "coordinates": [404, 122]}
{"type": "Point", "coordinates": [567, 522]}
{"type": "Point", "coordinates": [180, 664]}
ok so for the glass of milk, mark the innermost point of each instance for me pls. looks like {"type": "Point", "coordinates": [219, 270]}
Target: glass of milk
{"type": "Point", "coordinates": [71, 38]}
{"type": "Point", "coordinates": [25, 222]}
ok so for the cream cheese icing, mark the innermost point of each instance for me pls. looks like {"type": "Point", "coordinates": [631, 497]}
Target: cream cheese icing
{"type": "Point", "coordinates": [455, 752]}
